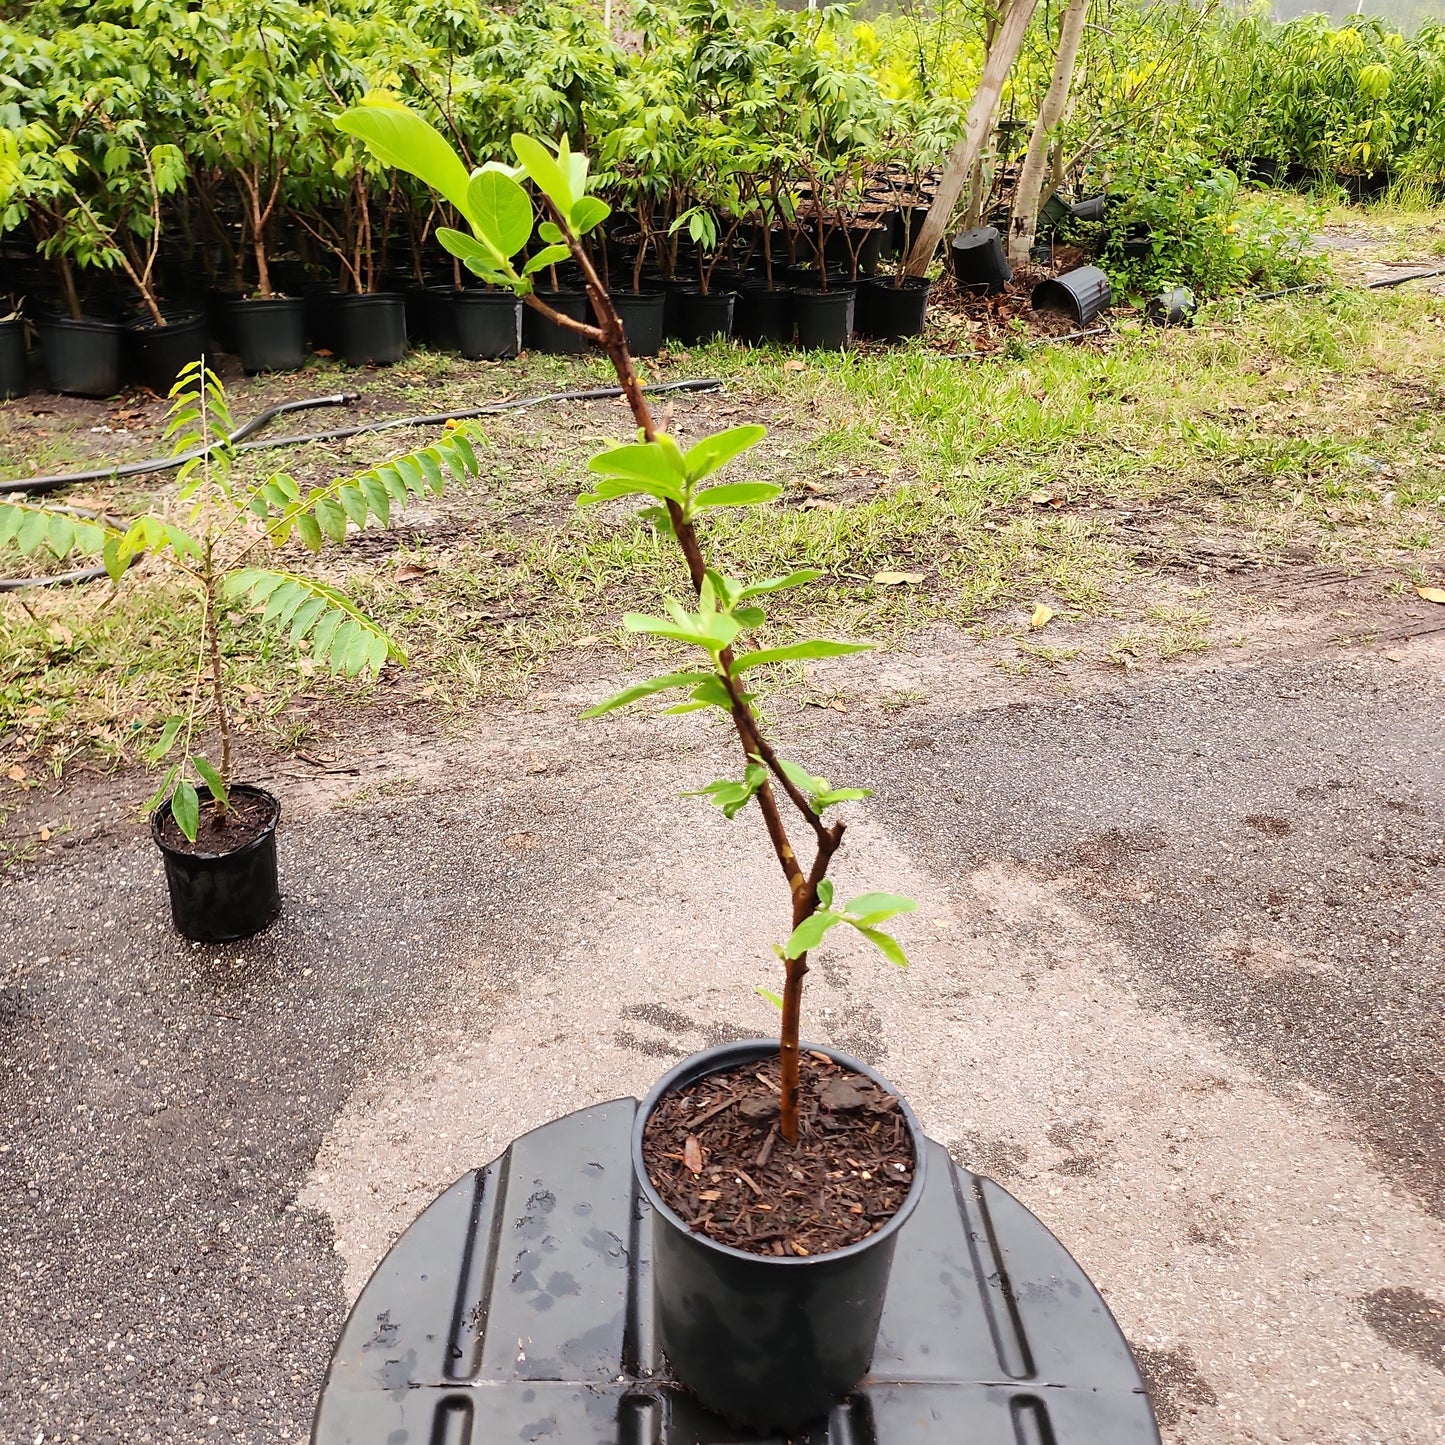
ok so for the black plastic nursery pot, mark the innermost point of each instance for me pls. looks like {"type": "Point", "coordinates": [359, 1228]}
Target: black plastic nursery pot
{"type": "Point", "coordinates": [268, 333]}
{"type": "Point", "coordinates": [540, 333]}
{"type": "Point", "coordinates": [979, 262]}
{"type": "Point", "coordinates": [431, 316]}
{"type": "Point", "coordinates": [162, 352]}
{"type": "Point", "coordinates": [890, 312]}
{"type": "Point", "coordinates": [488, 324]}
{"type": "Point", "coordinates": [825, 318]}
{"type": "Point", "coordinates": [82, 358]}
{"type": "Point", "coordinates": [704, 317]}
{"type": "Point", "coordinates": [216, 897]}
{"type": "Point", "coordinates": [1081, 293]}
{"type": "Point", "coordinates": [371, 328]}
{"type": "Point", "coordinates": [768, 1342]}
{"type": "Point", "coordinates": [1091, 209]}
{"type": "Point", "coordinates": [1174, 307]}
{"type": "Point", "coordinates": [322, 302]}
{"type": "Point", "coordinates": [13, 379]}
{"type": "Point", "coordinates": [762, 315]}
{"type": "Point", "coordinates": [643, 315]}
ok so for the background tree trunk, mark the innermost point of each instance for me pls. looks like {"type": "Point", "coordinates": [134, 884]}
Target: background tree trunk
{"type": "Point", "coordinates": [1023, 223]}
{"type": "Point", "coordinates": [975, 130]}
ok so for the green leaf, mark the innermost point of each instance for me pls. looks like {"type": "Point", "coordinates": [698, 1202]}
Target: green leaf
{"type": "Point", "coordinates": [875, 907]}
{"type": "Point", "coordinates": [589, 211]}
{"type": "Point", "coordinates": [885, 943]}
{"type": "Point", "coordinates": [400, 137]}
{"type": "Point", "coordinates": [771, 997]}
{"type": "Point", "coordinates": [376, 498]}
{"type": "Point", "coordinates": [552, 233]}
{"type": "Point", "coordinates": [640, 690]}
{"type": "Point", "coordinates": [547, 256]}
{"type": "Point", "coordinates": [737, 494]}
{"type": "Point", "coordinates": [641, 462]}
{"type": "Point", "coordinates": [825, 892]}
{"type": "Point", "coordinates": [211, 778]}
{"type": "Point", "coordinates": [186, 809]}
{"type": "Point", "coordinates": [167, 739]}
{"type": "Point", "coordinates": [331, 519]}
{"type": "Point", "coordinates": [476, 257]}
{"type": "Point", "coordinates": [310, 531]}
{"type": "Point", "coordinates": [730, 795]}
{"type": "Point", "coordinates": [544, 172]}
{"type": "Point", "coordinates": [710, 692]}
{"type": "Point", "coordinates": [164, 790]}
{"type": "Point", "coordinates": [500, 211]}
{"type": "Point", "coordinates": [714, 452]}
{"type": "Point", "coordinates": [809, 933]}
{"type": "Point", "coordinates": [353, 502]}
{"type": "Point", "coordinates": [797, 652]}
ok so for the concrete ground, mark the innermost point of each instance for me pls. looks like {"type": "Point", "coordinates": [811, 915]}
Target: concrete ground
{"type": "Point", "coordinates": [1175, 982]}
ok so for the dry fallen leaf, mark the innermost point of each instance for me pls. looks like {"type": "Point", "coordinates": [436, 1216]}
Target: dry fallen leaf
{"type": "Point", "coordinates": [794, 365]}
{"type": "Point", "coordinates": [1041, 616]}
{"type": "Point", "coordinates": [692, 1154]}
{"type": "Point", "coordinates": [898, 579]}
{"type": "Point", "coordinates": [16, 774]}
{"type": "Point", "coordinates": [1432, 594]}
{"type": "Point", "coordinates": [410, 573]}
{"type": "Point", "coordinates": [1047, 497]}
{"type": "Point", "coordinates": [45, 835]}
{"type": "Point", "coordinates": [585, 641]}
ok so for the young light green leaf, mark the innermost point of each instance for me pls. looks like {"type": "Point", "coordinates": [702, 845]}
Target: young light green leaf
{"type": "Point", "coordinates": [641, 462]}
{"type": "Point", "coordinates": [885, 943]}
{"type": "Point", "coordinates": [164, 790]}
{"type": "Point", "coordinates": [825, 892]}
{"type": "Point", "coordinates": [809, 933]}
{"type": "Point", "coordinates": [500, 211]}
{"type": "Point", "coordinates": [476, 257]}
{"type": "Point", "coordinates": [544, 172]}
{"type": "Point", "coordinates": [797, 652]}
{"type": "Point", "coordinates": [736, 494]}
{"type": "Point", "coordinates": [400, 137]}
{"type": "Point", "coordinates": [186, 809]}
{"type": "Point", "coordinates": [640, 690]}
{"type": "Point", "coordinates": [876, 907]}
{"type": "Point", "coordinates": [714, 452]}
{"type": "Point", "coordinates": [589, 211]}
{"type": "Point", "coordinates": [771, 997]}
{"type": "Point", "coordinates": [547, 256]}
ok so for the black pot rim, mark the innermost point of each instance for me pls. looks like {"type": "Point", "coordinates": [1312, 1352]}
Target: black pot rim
{"type": "Point", "coordinates": [277, 298]}
{"type": "Point", "coordinates": [723, 1054]}
{"type": "Point", "coordinates": [887, 283]}
{"type": "Point", "coordinates": [85, 323]}
{"type": "Point", "coordinates": [251, 790]}
{"type": "Point", "coordinates": [181, 321]}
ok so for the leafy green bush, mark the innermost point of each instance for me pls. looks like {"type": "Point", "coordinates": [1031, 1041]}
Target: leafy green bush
{"type": "Point", "coordinates": [1196, 226]}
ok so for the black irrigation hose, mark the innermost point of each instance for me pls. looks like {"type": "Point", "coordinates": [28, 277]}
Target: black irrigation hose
{"type": "Point", "coordinates": [344, 398]}
{"type": "Point", "coordinates": [160, 464]}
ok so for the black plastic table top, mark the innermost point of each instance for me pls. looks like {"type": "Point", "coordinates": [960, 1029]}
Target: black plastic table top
{"type": "Point", "coordinates": [518, 1308]}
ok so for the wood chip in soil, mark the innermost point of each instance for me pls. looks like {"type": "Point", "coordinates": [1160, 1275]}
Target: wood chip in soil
{"type": "Point", "coordinates": [714, 1153]}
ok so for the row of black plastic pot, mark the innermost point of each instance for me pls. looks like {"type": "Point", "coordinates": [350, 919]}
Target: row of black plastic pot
{"type": "Point", "coordinates": [94, 357]}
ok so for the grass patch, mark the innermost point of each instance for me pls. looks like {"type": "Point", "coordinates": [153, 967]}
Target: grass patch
{"type": "Point", "coordinates": [1312, 423]}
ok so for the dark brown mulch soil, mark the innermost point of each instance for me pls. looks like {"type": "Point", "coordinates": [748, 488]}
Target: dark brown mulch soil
{"type": "Point", "coordinates": [246, 819]}
{"type": "Point", "coordinates": [714, 1154]}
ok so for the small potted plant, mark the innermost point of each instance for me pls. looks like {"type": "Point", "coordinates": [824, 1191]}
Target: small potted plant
{"type": "Point", "coordinates": [217, 836]}
{"type": "Point", "coordinates": [768, 1314]}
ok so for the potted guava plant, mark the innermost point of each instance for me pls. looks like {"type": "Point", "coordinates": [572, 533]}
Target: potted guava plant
{"type": "Point", "coordinates": [779, 1174]}
{"type": "Point", "coordinates": [218, 836]}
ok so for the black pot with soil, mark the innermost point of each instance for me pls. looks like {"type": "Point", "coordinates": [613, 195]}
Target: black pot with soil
{"type": "Point", "coordinates": [825, 318]}
{"type": "Point", "coordinates": [705, 316]}
{"type": "Point", "coordinates": [371, 328]}
{"type": "Point", "coordinates": [163, 352]}
{"type": "Point", "coordinates": [889, 311]}
{"type": "Point", "coordinates": [82, 358]}
{"type": "Point", "coordinates": [14, 379]}
{"type": "Point", "coordinates": [540, 333]}
{"type": "Point", "coordinates": [268, 333]}
{"type": "Point", "coordinates": [222, 886]}
{"type": "Point", "coordinates": [487, 324]}
{"type": "Point", "coordinates": [644, 317]}
{"type": "Point", "coordinates": [322, 301]}
{"type": "Point", "coordinates": [763, 316]}
{"type": "Point", "coordinates": [771, 1318]}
